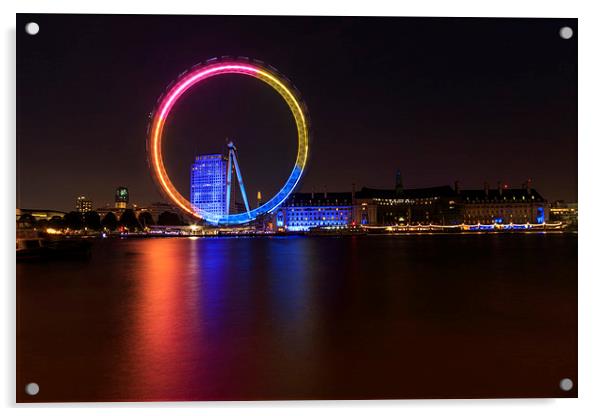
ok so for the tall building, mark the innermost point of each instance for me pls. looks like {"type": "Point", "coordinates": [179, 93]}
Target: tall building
{"type": "Point", "coordinates": [122, 197]}
{"type": "Point", "coordinates": [83, 204]}
{"type": "Point", "coordinates": [208, 182]}
{"type": "Point", "coordinates": [259, 199]}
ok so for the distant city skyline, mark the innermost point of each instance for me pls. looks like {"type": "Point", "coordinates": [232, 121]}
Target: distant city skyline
{"type": "Point", "coordinates": [457, 183]}
{"type": "Point", "coordinates": [386, 94]}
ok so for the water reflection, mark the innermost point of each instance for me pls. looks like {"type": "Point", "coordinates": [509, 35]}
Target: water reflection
{"type": "Point", "coordinates": [299, 318]}
{"type": "Point", "coordinates": [213, 314]}
{"type": "Point", "coordinates": [166, 331]}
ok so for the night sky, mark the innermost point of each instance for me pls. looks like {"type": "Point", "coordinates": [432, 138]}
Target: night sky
{"type": "Point", "coordinates": [472, 100]}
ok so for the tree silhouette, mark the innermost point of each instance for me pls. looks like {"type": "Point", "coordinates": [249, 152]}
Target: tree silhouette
{"type": "Point", "coordinates": [146, 219]}
{"type": "Point", "coordinates": [128, 220]}
{"type": "Point", "coordinates": [169, 218]}
{"type": "Point", "coordinates": [42, 223]}
{"type": "Point", "coordinates": [74, 220]}
{"type": "Point", "coordinates": [92, 220]}
{"type": "Point", "coordinates": [109, 221]}
{"type": "Point", "coordinates": [26, 220]}
{"type": "Point", "coordinates": [56, 222]}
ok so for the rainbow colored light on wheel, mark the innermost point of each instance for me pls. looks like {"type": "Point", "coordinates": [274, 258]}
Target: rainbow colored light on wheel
{"type": "Point", "coordinates": [197, 75]}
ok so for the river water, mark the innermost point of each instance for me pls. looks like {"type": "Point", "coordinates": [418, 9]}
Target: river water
{"type": "Point", "coordinates": [361, 317]}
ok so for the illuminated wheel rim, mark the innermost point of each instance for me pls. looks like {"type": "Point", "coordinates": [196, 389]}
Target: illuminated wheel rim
{"type": "Point", "coordinates": [197, 75]}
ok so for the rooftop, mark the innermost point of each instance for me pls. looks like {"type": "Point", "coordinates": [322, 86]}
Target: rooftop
{"type": "Point", "coordinates": [463, 195]}
{"type": "Point", "coordinates": [437, 191]}
{"type": "Point", "coordinates": [319, 198]}
{"type": "Point", "coordinates": [512, 194]}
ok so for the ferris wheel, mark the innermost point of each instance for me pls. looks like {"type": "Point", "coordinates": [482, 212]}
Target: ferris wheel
{"type": "Point", "coordinates": [197, 75]}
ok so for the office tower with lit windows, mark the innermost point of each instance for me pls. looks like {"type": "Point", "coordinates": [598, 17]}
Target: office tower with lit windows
{"type": "Point", "coordinates": [208, 182]}
{"type": "Point", "coordinates": [83, 204]}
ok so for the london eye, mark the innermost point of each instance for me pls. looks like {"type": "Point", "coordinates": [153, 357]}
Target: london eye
{"type": "Point", "coordinates": [183, 84]}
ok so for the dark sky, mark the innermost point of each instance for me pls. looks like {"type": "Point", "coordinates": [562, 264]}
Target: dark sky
{"type": "Point", "coordinates": [441, 99]}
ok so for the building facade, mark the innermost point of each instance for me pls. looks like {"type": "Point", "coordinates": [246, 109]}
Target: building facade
{"type": "Point", "coordinates": [40, 214]}
{"type": "Point", "coordinates": [83, 204]}
{"type": "Point", "coordinates": [503, 206]}
{"type": "Point", "coordinates": [441, 205]}
{"type": "Point", "coordinates": [208, 177]}
{"type": "Point", "coordinates": [157, 208]}
{"type": "Point", "coordinates": [304, 211]}
{"type": "Point", "coordinates": [565, 212]}
{"type": "Point", "coordinates": [437, 205]}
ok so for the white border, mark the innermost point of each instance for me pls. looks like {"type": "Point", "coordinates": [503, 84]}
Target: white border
{"type": "Point", "coordinates": [590, 135]}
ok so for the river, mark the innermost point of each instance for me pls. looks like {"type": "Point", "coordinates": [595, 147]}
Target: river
{"type": "Point", "coordinates": [252, 318]}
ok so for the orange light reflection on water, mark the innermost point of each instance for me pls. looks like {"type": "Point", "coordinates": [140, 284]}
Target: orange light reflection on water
{"type": "Point", "coordinates": [166, 332]}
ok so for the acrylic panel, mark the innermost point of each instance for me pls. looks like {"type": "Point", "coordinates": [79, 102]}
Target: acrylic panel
{"type": "Point", "coordinates": [295, 208]}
